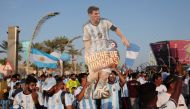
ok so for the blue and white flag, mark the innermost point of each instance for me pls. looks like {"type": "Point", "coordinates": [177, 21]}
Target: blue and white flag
{"type": "Point", "coordinates": [131, 54]}
{"type": "Point", "coordinates": [42, 59]}
{"type": "Point", "coordinates": [25, 47]}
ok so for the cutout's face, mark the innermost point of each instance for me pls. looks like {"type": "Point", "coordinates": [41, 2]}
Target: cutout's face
{"type": "Point", "coordinates": [95, 16]}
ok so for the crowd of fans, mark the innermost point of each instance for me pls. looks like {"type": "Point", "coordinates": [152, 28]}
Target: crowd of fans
{"type": "Point", "coordinates": [128, 90]}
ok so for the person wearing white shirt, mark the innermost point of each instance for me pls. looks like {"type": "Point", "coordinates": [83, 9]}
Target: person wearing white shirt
{"type": "Point", "coordinates": [165, 96]}
{"type": "Point", "coordinates": [11, 85]}
{"type": "Point", "coordinates": [157, 79]}
{"type": "Point", "coordinates": [69, 99]}
{"type": "Point", "coordinates": [149, 97]}
{"type": "Point", "coordinates": [186, 88]}
{"type": "Point", "coordinates": [49, 82]}
{"type": "Point", "coordinates": [112, 102]}
{"type": "Point", "coordinates": [29, 98]}
{"type": "Point", "coordinates": [56, 98]}
{"type": "Point", "coordinates": [124, 94]}
{"type": "Point", "coordinates": [84, 103]}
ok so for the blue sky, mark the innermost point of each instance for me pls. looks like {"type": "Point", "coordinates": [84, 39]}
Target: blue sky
{"type": "Point", "coordinates": [141, 21]}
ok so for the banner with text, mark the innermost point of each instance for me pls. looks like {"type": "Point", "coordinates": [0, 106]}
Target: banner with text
{"type": "Point", "coordinates": [104, 59]}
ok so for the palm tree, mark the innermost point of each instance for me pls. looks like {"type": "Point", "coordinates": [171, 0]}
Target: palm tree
{"type": "Point", "coordinates": [61, 43]}
{"type": "Point", "coordinates": [38, 46]}
{"type": "Point", "coordinates": [48, 46]}
{"type": "Point", "coordinates": [4, 47]}
{"type": "Point", "coordinates": [74, 53]}
{"type": "Point", "coordinates": [42, 47]}
{"type": "Point", "coordinates": [3, 61]}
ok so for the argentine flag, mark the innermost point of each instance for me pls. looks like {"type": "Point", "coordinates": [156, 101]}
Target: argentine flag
{"type": "Point", "coordinates": [131, 54]}
{"type": "Point", "coordinates": [42, 59]}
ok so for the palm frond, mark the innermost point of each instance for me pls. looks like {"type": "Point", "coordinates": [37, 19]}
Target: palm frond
{"type": "Point", "coordinates": [3, 52]}
{"type": "Point", "coordinates": [77, 37]}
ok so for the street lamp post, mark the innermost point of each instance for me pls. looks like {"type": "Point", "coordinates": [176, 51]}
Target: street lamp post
{"type": "Point", "coordinates": [36, 31]}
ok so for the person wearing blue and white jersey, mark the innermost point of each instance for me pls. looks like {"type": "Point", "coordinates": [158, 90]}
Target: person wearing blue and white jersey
{"type": "Point", "coordinates": [41, 82]}
{"type": "Point", "coordinates": [56, 99]}
{"type": "Point", "coordinates": [95, 38]}
{"type": "Point", "coordinates": [112, 102]}
{"type": "Point", "coordinates": [48, 83]}
{"type": "Point", "coordinates": [84, 103]}
{"type": "Point", "coordinates": [29, 98]}
{"type": "Point", "coordinates": [11, 85]}
{"type": "Point", "coordinates": [69, 99]}
{"type": "Point", "coordinates": [124, 93]}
